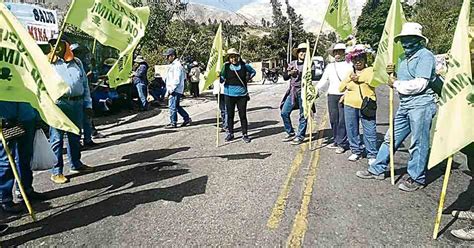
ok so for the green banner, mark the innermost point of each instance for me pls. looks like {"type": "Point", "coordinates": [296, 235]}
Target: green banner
{"type": "Point", "coordinates": [338, 17]}
{"type": "Point", "coordinates": [389, 51]}
{"type": "Point", "coordinates": [454, 127]}
{"type": "Point", "coordinates": [26, 74]}
{"type": "Point", "coordinates": [215, 63]}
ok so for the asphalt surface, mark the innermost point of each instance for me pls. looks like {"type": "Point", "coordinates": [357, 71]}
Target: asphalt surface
{"type": "Point", "coordinates": [154, 187]}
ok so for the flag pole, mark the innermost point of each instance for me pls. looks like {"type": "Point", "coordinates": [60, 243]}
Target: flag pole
{"type": "Point", "coordinates": [319, 33]}
{"type": "Point", "coordinates": [310, 129]}
{"type": "Point", "coordinates": [218, 114]}
{"type": "Point", "coordinates": [15, 173]}
{"type": "Point", "coordinates": [61, 32]}
{"type": "Point", "coordinates": [391, 133]}
{"type": "Point", "coordinates": [186, 48]}
{"type": "Point", "coordinates": [94, 46]}
{"type": "Point", "coordinates": [442, 197]}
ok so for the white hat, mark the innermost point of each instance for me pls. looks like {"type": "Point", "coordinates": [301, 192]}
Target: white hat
{"type": "Point", "coordinates": [195, 63]}
{"type": "Point", "coordinates": [338, 46]}
{"type": "Point", "coordinates": [411, 29]}
{"type": "Point", "coordinates": [74, 46]}
{"type": "Point", "coordinates": [232, 51]}
{"type": "Point", "coordinates": [139, 59]}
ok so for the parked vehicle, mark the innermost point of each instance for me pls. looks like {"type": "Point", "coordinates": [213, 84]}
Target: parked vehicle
{"type": "Point", "coordinates": [319, 65]}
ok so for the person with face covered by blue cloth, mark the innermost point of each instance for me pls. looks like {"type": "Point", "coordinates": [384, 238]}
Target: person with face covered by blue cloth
{"type": "Point", "coordinates": [416, 111]}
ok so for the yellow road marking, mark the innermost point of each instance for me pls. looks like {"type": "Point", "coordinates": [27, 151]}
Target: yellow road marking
{"type": "Point", "coordinates": [300, 224]}
{"type": "Point", "coordinates": [280, 204]}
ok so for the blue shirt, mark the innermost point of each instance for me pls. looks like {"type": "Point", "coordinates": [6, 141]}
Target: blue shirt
{"type": "Point", "coordinates": [75, 77]}
{"type": "Point", "coordinates": [421, 65]}
{"type": "Point", "coordinates": [18, 111]}
{"type": "Point", "coordinates": [141, 74]}
{"type": "Point", "coordinates": [236, 90]}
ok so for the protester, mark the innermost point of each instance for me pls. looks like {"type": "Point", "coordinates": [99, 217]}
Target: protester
{"type": "Point", "coordinates": [194, 76]}
{"type": "Point", "coordinates": [140, 81]}
{"type": "Point", "coordinates": [175, 89]}
{"type": "Point", "coordinates": [218, 91]}
{"type": "Point", "coordinates": [293, 99]}
{"type": "Point", "coordinates": [75, 103]}
{"type": "Point", "coordinates": [334, 73]}
{"type": "Point", "coordinates": [356, 87]}
{"type": "Point", "coordinates": [235, 75]}
{"type": "Point", "coordinates": [415, 112]}
{"type": "Point", "coordinates": [11, 114]}
{"type": "Point", "coordinates": [157, 88]}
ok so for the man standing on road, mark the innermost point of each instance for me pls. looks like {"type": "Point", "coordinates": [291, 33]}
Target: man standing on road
{"type": "Point", "coordinates": [292, 99]}
{"type": "Point", "coordinates": [75, 103]}
{"type": "Point", "coordinates": [140, 81]}
{"type": "Point", "coordinates": [194, 78]}
{"type": "Point", "coordinates": [175, 89]}
{"type": "Point", "coordinates": [416, 111]}
{"type": "Point", "coordinates": [333, 74]}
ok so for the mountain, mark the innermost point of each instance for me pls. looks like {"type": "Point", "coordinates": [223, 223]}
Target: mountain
{"type": "Point", "coordinates": [202, 13]}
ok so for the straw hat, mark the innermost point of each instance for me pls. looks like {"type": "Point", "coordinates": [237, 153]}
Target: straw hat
{"type": "Point", "coordinates": [232, 51]}
{"type": "Point", "coordinates": [411, 29]}
{"type": "Point", "coordinates": [299, 48]}
{"type": "Point", "coordinates": [338, 46]}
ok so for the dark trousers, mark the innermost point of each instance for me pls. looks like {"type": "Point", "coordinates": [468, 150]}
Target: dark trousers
{"type": "Point", "coordinates": [241, 102]}
{"type": "Point", "coordinates": [195, 89]}
{"type": "Point", "coordinates": [336, 117]}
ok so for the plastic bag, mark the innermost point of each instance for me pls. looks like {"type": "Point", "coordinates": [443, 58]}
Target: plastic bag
{"type": "Point", "coordinates": [43, 155]}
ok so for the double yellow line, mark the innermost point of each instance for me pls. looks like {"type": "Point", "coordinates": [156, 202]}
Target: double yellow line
{"type": "Point", "coordinates": [300, 222]}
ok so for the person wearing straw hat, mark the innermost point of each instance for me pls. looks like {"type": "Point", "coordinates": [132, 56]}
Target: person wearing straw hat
{"type": "Point", "coordinates": [235, 75]}
{"type": "Point", "coordinates": [416, 110]}
{"type": "Point", "coordinates": [140, 81]}
{"type": "Point", "coordinates": [74, 103]}
{"type": "Point", "coordinates": [292, 99]}
{"type": "Point", "coordinates": [175, 89]}
{"type": "Point", "coordinates": [333, 74]}
{"type": "Point", "coordinates": [194, 76]}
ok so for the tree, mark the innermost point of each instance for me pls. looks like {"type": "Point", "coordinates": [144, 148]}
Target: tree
{"type": "Point", "coordinates": [371, 22]}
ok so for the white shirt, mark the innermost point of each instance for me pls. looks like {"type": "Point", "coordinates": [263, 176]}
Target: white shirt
{"type": "Point", "coordinates": [175, 78]}
{"type": "Point", "coordinates": [217, 86]}
{"type": "Point", "coordinates": [334, 73]}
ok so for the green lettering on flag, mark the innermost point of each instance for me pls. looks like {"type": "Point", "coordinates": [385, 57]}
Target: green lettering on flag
{"type": "Point", "coordinates": [215, 63]}
{"type": "Point", "coordinates": [454, 127]}
{"type": "Point", "coordinates": [338, 17]}
{"type": "Point", "coordinates": [120, 72]}
{"type": "Point", "coordinates": [389, 51]}
{"type": "Point", "coordinates": [308, 91]}
{"type": "Point", "coordinates": [27, 76]}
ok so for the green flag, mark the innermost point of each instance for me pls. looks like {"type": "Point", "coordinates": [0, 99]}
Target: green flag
{"type": "Point", "coordinates": [389, 52]}
{"type": "Point", "coordinates": [338, 17]}
{"type": "Point", "coordinates": [26, 74]}
{"type": "Point", "coordinates": [308, 91]}
{"type": "Point", "coordinates": [113, 23]}
{"type": "Point", "coordinates": [454, 127]}
{"type": "Point", "coordinates": [120, 72]}
{"type": "Point", "coordinates": [216, 61]}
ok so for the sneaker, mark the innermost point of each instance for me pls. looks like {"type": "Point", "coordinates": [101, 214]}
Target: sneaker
{"type": "Point", "coordinates": [83, 169]}
{"type": "Point", "coordinates": [59, 179]}
{"type": "Point", "coordinates": [332, 146]}
{"type": "Point", "coordinates": [171, 126]}
{"type": "Point", "coordinates": [297, 141]}
{"type": "Point", "coordinates": [354, 157]}
{"type": "Point", "coordinates": [464, 234]}
{"type": "Point", "coordinates": [246, 139]}
{"type": "Point", "coordinates": [32, 196]}
{"type": "Point", "coordinates": [367, 175]}
{"type": "Point", "coordinates": [410, 185]}
{"type": "Point", "coordinates": [289, 137]}
{"type": "Point", "coordinates": [463, 215]}
{"type": "Point", "coordinates": [186, 123]}
{"type": "Point", "coordinates": [229, 137]}
{"type": "Point", "coordinates": [372, 161]}
{"type": "Point", "coordinates": [340, 150]}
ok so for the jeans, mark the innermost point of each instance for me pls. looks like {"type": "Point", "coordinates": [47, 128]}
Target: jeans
{"type": "Point", "coordinates": [285, 115]}
{"type": "Point", "coordinates": [417, 122]}
{"type": "Point", "coordinates": [142, 94]}
{"type": "Point", "coordinates": [175, 108]}
{"type": "Point", "coordinates": [22, 152]}
{"type": "Point", "coordinates": [369, 127]}
{"type": "Point", "coordinates": [336, 117]}
{"type": "Point", "coordinates": [87, 129]}
{"type": "Point", "coordinates": [241, 103]}
{"type": "Point", "coordinates": [223, 110]}
{"type": "Point", "coordinates": [158, 93]}
{"type": "Point", "coordinates": [74, 110]}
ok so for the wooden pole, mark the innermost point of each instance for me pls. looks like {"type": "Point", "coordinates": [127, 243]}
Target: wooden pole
{"type": "Point", "coordinates": [442, 197]}
{"type": "Point", "coordinates": [218, 114]}
{"type": "Point", "coordinates": [61, 32]}
{"type": "Point", "coordinates": [15, 173]}
{"type": "Point", "coordinates": [310, 129]}
{"type": "Point", "coordinates": [391, 134]}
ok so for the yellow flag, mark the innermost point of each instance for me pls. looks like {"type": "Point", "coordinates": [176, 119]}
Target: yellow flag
{"type": "Point", "coordinates": [338, 17]}
{"type": "Point", "coordinates": [389, 51]}
{"type": "Point", "coordinates": [215, 63]}
{"type": "Point", "coordinates": [455, 121]}
{"type": "Point", "coordinates": [308, 91]}
{"type": "Point", "coordinates": [26, 74]}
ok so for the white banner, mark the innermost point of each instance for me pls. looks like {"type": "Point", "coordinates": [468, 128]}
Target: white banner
{"type": "Point", "coordinates": [41, 23]}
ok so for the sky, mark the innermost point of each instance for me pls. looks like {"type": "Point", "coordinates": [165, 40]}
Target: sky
{"type": "Point", "coordinates": [232, 5]}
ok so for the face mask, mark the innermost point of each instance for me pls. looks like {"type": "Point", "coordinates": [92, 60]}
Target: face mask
{"type": "Point", "coordinates": [411, 45]}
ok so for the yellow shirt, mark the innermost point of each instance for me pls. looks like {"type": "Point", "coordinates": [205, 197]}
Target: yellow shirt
{"type": "Point", "coordinates": [352, 95]}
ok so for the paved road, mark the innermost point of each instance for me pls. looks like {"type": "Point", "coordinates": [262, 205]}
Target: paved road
{"type": "Point", "coordinates": [157, 187]}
